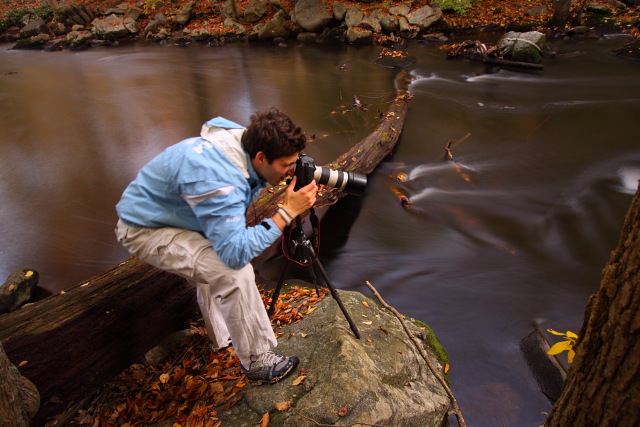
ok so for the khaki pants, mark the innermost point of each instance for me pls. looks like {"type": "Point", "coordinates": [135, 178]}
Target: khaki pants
{"type": "Point", "coordinates": [229, 300]}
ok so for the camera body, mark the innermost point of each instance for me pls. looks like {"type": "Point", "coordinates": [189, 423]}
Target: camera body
{"type": "Point", "coordinates": [307, 170]}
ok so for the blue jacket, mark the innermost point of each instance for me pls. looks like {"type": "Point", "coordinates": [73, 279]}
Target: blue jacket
{"type": "Point", "coordinates": [204, 184]}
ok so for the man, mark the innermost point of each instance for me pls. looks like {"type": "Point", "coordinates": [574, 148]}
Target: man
{"type": "Point", "coordinates": [185, 213]}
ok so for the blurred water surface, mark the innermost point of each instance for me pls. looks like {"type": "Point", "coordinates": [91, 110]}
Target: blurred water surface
{"type": "Point", "coordinates": [513, 233]}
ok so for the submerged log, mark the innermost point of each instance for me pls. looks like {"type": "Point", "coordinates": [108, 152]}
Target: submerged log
{"type": "Point", "coordinates": [71, 343]}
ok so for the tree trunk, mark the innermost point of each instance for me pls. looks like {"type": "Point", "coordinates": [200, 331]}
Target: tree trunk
{"type": "Point", "coordinates": [603, 384]}
{"type": "Point", "coordinates": [561, 13]}
{"type": "Point", "coordinates": [71, 343]}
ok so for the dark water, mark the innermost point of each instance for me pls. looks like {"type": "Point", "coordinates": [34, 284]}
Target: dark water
{"type": "Point", "coordinates": [515, 233]}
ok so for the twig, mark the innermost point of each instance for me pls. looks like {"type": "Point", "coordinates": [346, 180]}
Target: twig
{"type": "Point", "coordinates": [418, 344]}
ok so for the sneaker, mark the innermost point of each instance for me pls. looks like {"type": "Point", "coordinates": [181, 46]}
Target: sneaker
{"type": "Point", "coordinates": [269, 367]}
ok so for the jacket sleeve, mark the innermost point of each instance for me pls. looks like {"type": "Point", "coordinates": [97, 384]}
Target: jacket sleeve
{"type": "Point", "coordinates": [220, 211]}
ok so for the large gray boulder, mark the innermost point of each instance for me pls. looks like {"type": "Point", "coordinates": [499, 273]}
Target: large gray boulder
{"type": "Point", "coordinates": [311, 15]}
{"type": "Point", "coordinates": [111, 27]}
{"type": "Point", "coordinates": [523, 47]}
{"type": "Point", "coordinates": [425, 17]}
{"type": "Point", "coordinates": [379, 379]}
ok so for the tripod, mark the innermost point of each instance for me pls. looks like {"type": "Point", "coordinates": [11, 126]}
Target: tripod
{"type": "Point", "coordinates": [302, 249]}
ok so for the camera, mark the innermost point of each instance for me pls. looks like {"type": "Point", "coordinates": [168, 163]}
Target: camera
{"type": "Point", "coordinates": [349, 182]}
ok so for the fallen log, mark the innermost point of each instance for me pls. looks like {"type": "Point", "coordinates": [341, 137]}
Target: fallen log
{"type": "Point", "coordinates": [70, 343]}
{"type": "Point", "coordinates": [75, 341]}
{"type": "Point", "coordinates": [362, 158]}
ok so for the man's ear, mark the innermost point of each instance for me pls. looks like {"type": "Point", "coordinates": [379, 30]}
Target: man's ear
{"type": "Point", "coordinates": [261, 158]}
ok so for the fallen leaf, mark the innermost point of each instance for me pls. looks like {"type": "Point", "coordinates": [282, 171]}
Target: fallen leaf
{"type": "Point", "coordinates": [446, 368]}
{"type": "Point", "coordinates": [12, 287]}
{"type": "Point", "coordinates": [24, 362]}
{"type": "Point", "coordinates": [28, 273]}
{"type": "Point", "coordinates": [366, 304]}
{"type": "Point", "coordinates": [84, 285]}
{"type": "Point", "coordinates": [343, 411]}
{"type": "Point", "coordinates": [303, 335]}
{"type": "Point", "coordinates": [264, 422]}
{"type": "Point", "coordinates": [164, 378]}
{"type": "Point", "coordinates": [298, 380]}
{"type": "Point", "coordinates": [283, 406]}
{"type": "Point", "coordinates": [369, 322]}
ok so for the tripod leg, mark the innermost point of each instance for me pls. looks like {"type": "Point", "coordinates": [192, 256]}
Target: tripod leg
{"type": "Point", "coordinates": [276, 292]}
{"type": "Point", "coordinates": [335, 296]}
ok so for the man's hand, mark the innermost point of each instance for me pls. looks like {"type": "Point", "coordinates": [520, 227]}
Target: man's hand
{"type": "Point", "coordinates": [297, 202]}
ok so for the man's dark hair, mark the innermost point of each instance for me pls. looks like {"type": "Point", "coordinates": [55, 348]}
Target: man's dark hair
{"type": "Point", "coordinates": [274, 133]}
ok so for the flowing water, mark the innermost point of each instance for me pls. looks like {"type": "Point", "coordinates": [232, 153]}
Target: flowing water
{"type": "Point", "coordinates": [513, 233]}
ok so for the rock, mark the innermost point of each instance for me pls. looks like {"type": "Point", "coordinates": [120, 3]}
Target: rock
{"type": "Point", "coordinates": [339, 11]}
{"type": "Point", "coordinates": [379, 379]}
{"type": "Point", "coordinates": [184, 16]}
{"type": "Point", "coordinates": [523, 47]}
{"type": "Point", "coordinates": [33, 27]}
{"type": "Point", "coordinates": [400, 10]}
{"type": "Point", "coordinates": [234, 25]}
{"type": "Point", "coordinates": [20, 398]}
{"type": "Point", "coordinates": [372, 22]}
{"type": "Point", "coordinates": [276, 27]}
{"type": "Point", "coordinates": [425, 17]}
{"type": "Point", "coordinates": [19, 287]}
{"type": "Point", "coordinates": [311, 15]}
{"type": "Point", "coordinates": [390, 23]}
{"type": "Point", "coordinates": [255, 10]}
{"type": "Point", "coordinates": [359, 36]}
{"type": "Point", "coordinates": [353, 17]}
{"type": "Point", "coordinates": [159, 353]}
{"type": "Point", "coordinates": [111, 27]}
{"type": "Point", "coordinates": [79, 39]}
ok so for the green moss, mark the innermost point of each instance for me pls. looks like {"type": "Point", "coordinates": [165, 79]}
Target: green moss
{"type": "Point", "coordinates": [434, 343]}
{"type": "Point", "coordinates": [13, 18]}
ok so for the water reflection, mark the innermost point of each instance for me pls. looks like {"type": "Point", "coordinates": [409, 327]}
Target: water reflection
{"type": "Point", "coordinates": [514, 232]}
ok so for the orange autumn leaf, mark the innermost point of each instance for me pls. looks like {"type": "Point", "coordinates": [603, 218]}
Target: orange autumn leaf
{"type": "Point", "coordinates": [298, 380]}
{"type": "Point", "coordinates": [283, 406]}
{"type": "Point", "coordinates": [264, 422]}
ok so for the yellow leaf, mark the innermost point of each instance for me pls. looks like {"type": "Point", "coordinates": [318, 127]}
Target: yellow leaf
{"type": "Point", "coordinates": [571, 355]}
{"type": "Point", "coordinates": [559, 347]}
{"type": "Point", "coordinates": [164, 378]}
{"type": "Point", "coordinates": [298, 380]}
{"type": "Point", "coordinates": [28, 273]}
{"type": "Point", "coordinates": [571, 334]}
{"type": "Point", "coordinates": [24, 362]}
{"type": "Point", "coordinates": [555, 332]}
{"type": "Point", "coordinates": [264, 422]}
{"type": "Point", "coordinates": [283, 406]}
{"type": "Point", "coordinates": [446, 368]}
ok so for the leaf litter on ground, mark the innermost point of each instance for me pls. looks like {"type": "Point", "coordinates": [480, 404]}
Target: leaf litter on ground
{"type": "Point", "coordinates": [194, 384]}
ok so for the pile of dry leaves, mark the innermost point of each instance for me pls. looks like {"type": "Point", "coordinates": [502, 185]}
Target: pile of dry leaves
{"type": "Point", "coordinates": [193, 385]}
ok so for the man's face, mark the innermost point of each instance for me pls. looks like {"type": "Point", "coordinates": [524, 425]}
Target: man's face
{"type": "Point", "coordinates": [277, 170]}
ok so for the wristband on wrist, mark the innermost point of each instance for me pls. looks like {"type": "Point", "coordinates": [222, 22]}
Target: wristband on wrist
{"type": "Point", "coordinates": [287, 212]}
{"type": "Point", "coordinates": [287, 218]}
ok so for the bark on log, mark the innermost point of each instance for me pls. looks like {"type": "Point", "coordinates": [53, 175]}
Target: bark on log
{"type": "Point", "coordinates": [75, 341]}
{"type": "Point", "coordinates": [602, 387]}
{"type": "Point", "coordinates": [362, 158]}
